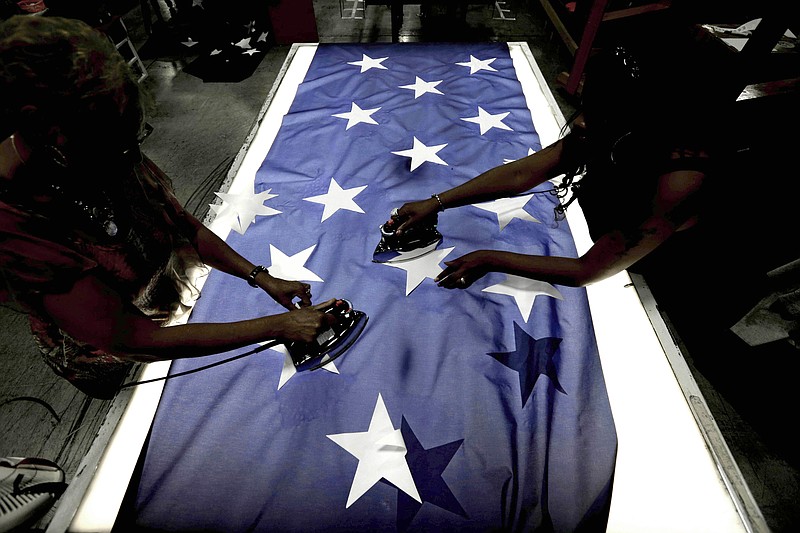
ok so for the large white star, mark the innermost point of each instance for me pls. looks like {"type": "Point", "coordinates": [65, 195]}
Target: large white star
{"type": "Point", "coordinates": [291, 268]}
{"type": "Point", "coordinates": [337, 198]}
{"type": "Point", "coordinates": [289, 370]}
{"type": "Point", "coordinates": [488, 121]}
{"type": "Point", "coordinates": [381, 453]}
{"type": "Point", "coordinates": [524, 291]}
{"type": "Point", "coordinates": [367, 63]}
{"type": "Point", "coordinates": [421, 87]}
{"type": "Point", "coordinates": [475, 64]}
{"type": "Point", "coordinates": [357, 115]}
{"type": "Point", "coordinates": [243, 208]}
{"type": "Point", "coordinates": [507, 209]}
{"type": "Point", "coordinates": [420, 268]}
{"type": "Point", "coordinates": [420, 153]}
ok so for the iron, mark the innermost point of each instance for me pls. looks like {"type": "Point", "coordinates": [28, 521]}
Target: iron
{"type": "Point", "coordinates": [333, 342]}
{"type": "Point", "coordinates": [414, 242]}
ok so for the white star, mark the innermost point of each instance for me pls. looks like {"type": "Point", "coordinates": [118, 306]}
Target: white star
{"type": "Point", "coordinates": [524, 291]}
{"type": "Point", "coordinates": [251, 51]}
{"type": "Point", "coordinates": [367, 63]}
{"type": "Point", "coordinates": [381, 453]}
{"type": "Point", "coordinates": [475, 64]}
{"type": "Point", "coordinates": [420, 153]}
{"type": "Point", "coordinates": [262, 37]}
{"type": "Point", "coordinates": [289, 370]}
{"type": "Point", "coordinates": [189, 42]}
{"type": "Point", "coordinates": [531, 151]}
{"type": "Point", "coordinates": [197, 3]}
{"type": "Point", "coordinates": [337, 198]}
{"type": "Point", "coordinates": [488, 121]}
{"type": "Point", "coordinates": [508, 209]}
{"type": "Point", "coordinates": [357, 115]}
{"type": "Point", "coordinates": [426, 266]}
{"type": "Point", "coordinates": [244, 43]}
{"type": "Point", "coordinates": [243, 208]}
{"type": "Point", "coordinates": [421, 87]}
{"type": "Point", "coordinates": [291, 268]}
{"type": "Point", "coordinates": [215, 51]}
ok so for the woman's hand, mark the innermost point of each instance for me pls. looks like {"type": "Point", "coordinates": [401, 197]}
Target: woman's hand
{"type": "Point", "coordinates": [462, 272]}
{"type": "Point", "coordinates": [284, 292]}
{"type": "Point", "coordinates": [412, 213]}
{"type": "Point", "coordinates": [305, 324]}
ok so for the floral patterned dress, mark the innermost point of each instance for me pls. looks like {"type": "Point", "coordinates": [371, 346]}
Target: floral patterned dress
{"type": "Point", "coordinates": [146, 262]}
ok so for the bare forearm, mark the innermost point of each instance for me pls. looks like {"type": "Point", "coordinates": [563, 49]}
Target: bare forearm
{"type": "Point", "coordinates": [506, 180]}
{"type": "Point", "coordinates": [218, 254]}
{"type": "Point", "coordinates": [148, 344]}
{"type": "Point", "coordinates": [612, 253]}
{"type": "Point", "coordinates": [557, 270]}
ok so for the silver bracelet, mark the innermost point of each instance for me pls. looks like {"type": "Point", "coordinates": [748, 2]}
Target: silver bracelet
{"type": "Point", "coordinates": [441, 205]}
{"type": "Point", "coordinates": [251, 277]}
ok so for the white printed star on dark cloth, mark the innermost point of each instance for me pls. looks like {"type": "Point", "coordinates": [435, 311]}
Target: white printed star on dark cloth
{"type": "Point", "coordinates": [421, 87]}
{"type": "Point", "coordinates": [420, 268]}
{"type": "Point", "coordinates": [426, 467]}
{"type": "Point", "coordinates": [243, 208]}
{"type": "Point", "coordinates": [243, 43]}
{"type": "Point", "coordinates": [507, 209]}
{"type": "Point", "coordinates": [356, 115]}
{"type": "Point", "coordinates": [420, 153]}
{"type": "Point", "coordinates": [487, 121]}
{"type": "Point", "coordinates": [367, 63]}
{"type": "Point", "coordinates": [476, 64]}
{"type": "Point", "coordinates": [381, 454]}
{"type": "Point", "coordinates": [531, 359]}
{"type": "Point", "coordinates": [292, 267]}
{"type": "Point", "coordinates": [337, 198]}
{"type": "Point", "coordinates": [524, 291]}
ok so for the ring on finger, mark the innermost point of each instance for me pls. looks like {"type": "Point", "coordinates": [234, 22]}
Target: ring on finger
{"type": "Point", "coordinates": [462, 281]}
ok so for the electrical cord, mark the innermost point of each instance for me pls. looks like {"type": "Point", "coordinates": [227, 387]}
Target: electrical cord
{"type": "Point", "coordinates": [206, 367]}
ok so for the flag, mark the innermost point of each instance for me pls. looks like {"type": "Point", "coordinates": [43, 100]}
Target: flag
{"type": "Point", "coordinates": [220, 42]}
{"type": "Point", "coordinates": [464, 410]}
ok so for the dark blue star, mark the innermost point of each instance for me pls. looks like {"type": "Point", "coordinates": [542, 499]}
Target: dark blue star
{"type": "Point", "coordinates": [426, 468]}
{"type": "Point", "coordinates": [532, 358]}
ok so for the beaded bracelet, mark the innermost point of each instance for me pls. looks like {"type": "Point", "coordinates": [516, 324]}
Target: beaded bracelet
{"type": "Point", "coordinates": [251, 277]}
{"type": "Point", "coordinates": [441, 205]}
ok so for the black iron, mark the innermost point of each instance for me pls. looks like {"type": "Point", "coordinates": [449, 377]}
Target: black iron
{"type": "Point", "coordinates": [333, 342]}
{"type": "Point", "coordinates": [414, 242]}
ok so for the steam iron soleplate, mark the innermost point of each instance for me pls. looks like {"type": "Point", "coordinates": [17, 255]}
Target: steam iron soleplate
{"type": "Point", "coordinates": [331, 343]}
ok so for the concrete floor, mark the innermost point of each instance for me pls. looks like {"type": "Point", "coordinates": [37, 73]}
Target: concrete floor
{"type": "Point", "coordinates": [199, 129]}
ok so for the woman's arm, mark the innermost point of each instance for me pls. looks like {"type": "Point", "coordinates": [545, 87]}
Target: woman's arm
{"type": "Point", "coordinates": [499, 182]}
{"type": "Point", "coordinates": [673, 207]}
{"type": "Point", "coordinates": [218, 254]}
{"type": "Point", "coordinates": [93, 313]}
